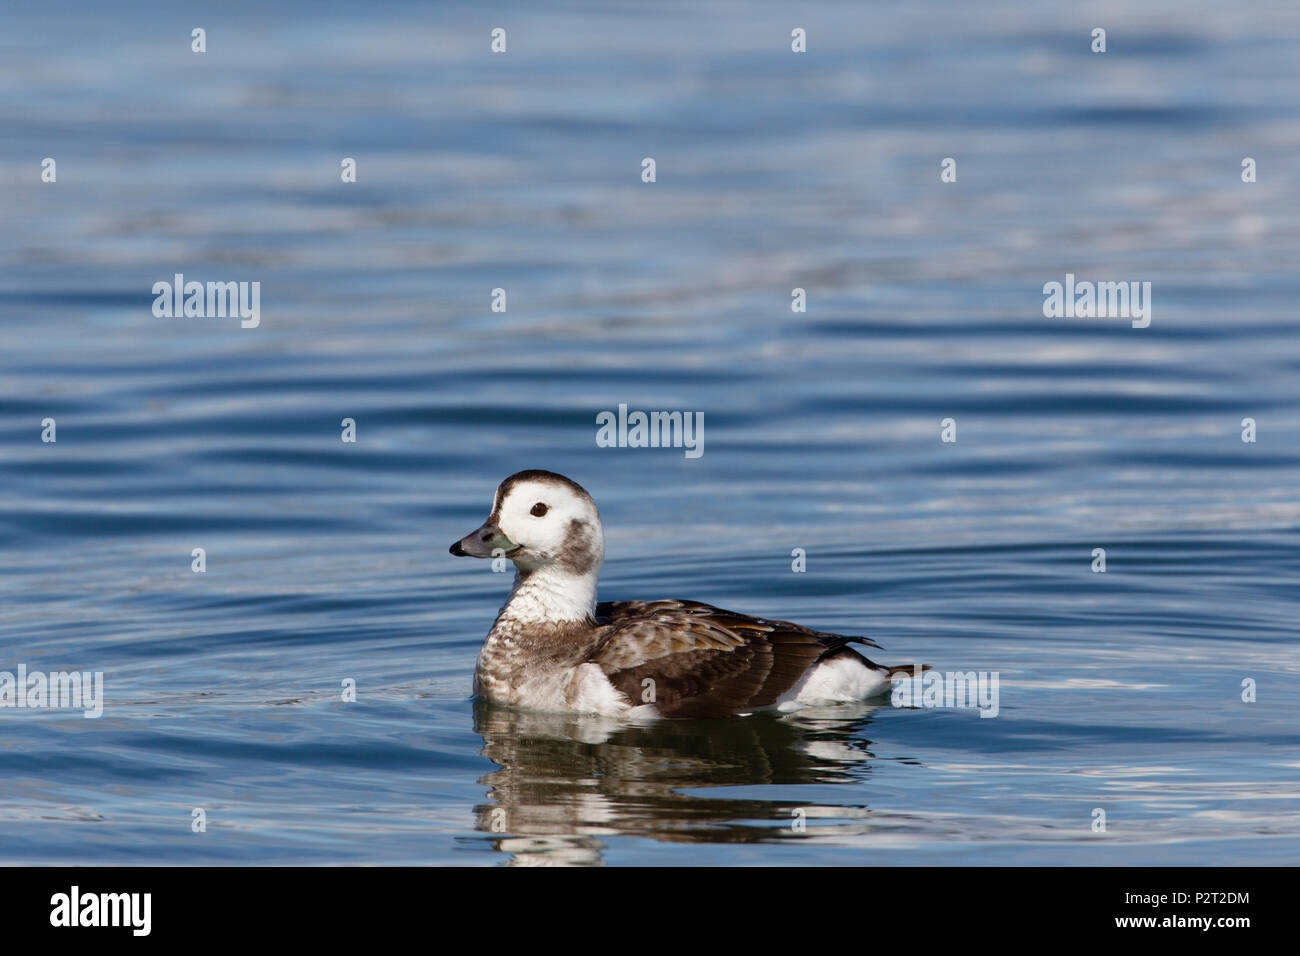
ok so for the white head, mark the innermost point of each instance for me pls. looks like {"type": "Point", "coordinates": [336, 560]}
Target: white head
{"type": "Point", "coordinates": [549, 526]}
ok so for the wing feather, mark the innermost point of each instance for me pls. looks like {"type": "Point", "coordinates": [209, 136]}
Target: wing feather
{"type": "Point", "coordinates": [705, 661]}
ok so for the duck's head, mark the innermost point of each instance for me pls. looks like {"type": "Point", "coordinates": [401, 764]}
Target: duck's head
{"type": "Point", "coordinates": [540, 520]}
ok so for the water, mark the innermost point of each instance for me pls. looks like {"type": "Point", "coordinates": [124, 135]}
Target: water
{"type": "Point", "coordinates": [327, 561]}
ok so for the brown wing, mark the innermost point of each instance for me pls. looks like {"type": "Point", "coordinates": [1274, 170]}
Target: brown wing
{"type": "Point", "coordinates": [704, 661]}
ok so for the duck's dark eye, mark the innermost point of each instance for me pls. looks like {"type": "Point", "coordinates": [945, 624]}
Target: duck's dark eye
{"type": "Point", "coordinates": [539, 509]}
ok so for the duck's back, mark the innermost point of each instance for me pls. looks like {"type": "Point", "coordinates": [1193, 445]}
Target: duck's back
{"type": "Point", "coordinates": [690, 659]}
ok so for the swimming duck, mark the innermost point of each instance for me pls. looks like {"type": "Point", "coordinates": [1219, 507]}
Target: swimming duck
{"type": "Point", "coordinates": [554, 648]}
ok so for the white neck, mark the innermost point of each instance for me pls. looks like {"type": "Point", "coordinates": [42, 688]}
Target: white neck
{"type": "Point", "coordinates": [551, 595]}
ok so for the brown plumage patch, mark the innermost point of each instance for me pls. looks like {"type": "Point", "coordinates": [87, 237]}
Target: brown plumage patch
{"type": "Point", "coordinates": [706, 661]}
{"type": "Point", "coordinates": [579, 553]}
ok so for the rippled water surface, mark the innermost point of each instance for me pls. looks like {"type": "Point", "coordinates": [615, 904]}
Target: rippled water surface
{"type": "Point", "coordinates": [328, 561]}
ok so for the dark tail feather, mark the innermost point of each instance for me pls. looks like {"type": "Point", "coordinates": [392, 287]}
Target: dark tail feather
{"type": "Point", "coordinates": [895, 670]}
{"type": "Point", "coordinates": [901, 670]}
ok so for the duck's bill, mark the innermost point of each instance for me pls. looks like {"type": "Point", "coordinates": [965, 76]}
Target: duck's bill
{"type": "Point", "coordinates": [485, 542]}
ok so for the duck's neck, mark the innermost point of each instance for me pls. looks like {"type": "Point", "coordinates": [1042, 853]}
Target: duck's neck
{"type": "Point", "coordinates": [551, 595]}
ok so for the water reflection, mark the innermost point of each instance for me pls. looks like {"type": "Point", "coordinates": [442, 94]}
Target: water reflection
{"type": "Point", "coordinates": [567, 782]}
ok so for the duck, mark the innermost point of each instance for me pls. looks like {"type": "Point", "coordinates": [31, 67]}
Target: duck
{"type": "Point", "coordinates": [555, 647]}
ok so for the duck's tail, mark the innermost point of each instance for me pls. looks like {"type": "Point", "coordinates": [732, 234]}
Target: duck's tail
{"type": "Point", "coordinates": [900, 670]}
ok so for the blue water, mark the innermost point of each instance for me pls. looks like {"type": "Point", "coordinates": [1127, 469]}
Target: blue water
{"type": "Point", "coordinates": [328, 561]}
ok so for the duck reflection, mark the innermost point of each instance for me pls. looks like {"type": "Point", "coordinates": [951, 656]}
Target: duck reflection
{"type": "Point", "coordinates": [568, 782]}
